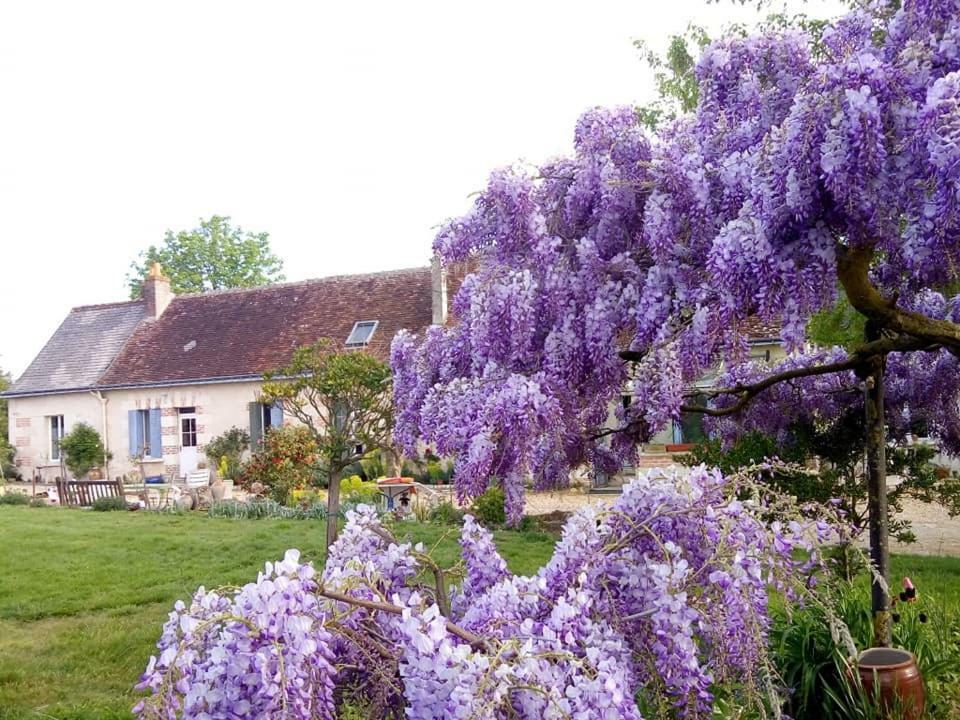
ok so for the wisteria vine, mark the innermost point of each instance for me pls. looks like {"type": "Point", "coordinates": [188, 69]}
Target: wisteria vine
{"type": "Point", "coordinates": [808, 160]}
{"type": "Point", "coordinates": [655, 603]}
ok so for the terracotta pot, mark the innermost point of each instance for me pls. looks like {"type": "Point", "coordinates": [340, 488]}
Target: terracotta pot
{"type": "Point", "coordinates": [896, 673]}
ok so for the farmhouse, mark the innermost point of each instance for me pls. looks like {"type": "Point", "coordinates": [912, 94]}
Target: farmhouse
{"type": "Point", "coordinates": [160, 376]}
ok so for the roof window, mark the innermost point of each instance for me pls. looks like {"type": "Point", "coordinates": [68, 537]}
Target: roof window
{"type": "Point", "coordinates": [361, 333]}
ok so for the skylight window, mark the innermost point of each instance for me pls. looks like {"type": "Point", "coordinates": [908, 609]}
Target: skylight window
{"type": "Point", "coordinates": [361, 333]}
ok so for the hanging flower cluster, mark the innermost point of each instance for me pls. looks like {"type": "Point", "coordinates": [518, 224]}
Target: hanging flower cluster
{"type": "Point", "coordinates": [661, 597]}
{"type": "Point", "coordinates": [800, 151]}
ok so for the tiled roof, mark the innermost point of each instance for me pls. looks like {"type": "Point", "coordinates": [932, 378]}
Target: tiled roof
{"type": "Point", "coordinates": [243, 333]}
{"type": "Point", "coordinates": [81, 349]}
{"type": "Point", "coordinates": [758, 330]}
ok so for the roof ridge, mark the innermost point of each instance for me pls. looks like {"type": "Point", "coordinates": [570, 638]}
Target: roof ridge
{"type": "Point", "coordinates": [103, 306]}
{"type": "Point", "coordinates": [306, 281]}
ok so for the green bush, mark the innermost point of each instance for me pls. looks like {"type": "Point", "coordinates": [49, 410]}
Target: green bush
{"type": "Point", "coordinates": [38, 502]}
{"type": "Point", "coordinates": [488, 508]}
{"type": "Point", "coordinates": [446, 513]}
{"type": "Point", "coordinates": [83, 450]}
{"type": "Point", "coordinates": [8, 469]}
{"type": "Point", "coordinates": [226, 451]}
{"type": "Point", "coordinates": [107, 504]}
{"type": "Point", "coordinates": [14, 498]}
{"type": "Point", "coordinates": [355, 490]}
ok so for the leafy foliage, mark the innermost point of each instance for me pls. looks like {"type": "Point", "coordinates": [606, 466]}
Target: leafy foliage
{"type": "Point", "coordinates": [7, 468]}
{"type": "Point", "coordinates": [14, 498]}
{"type": "Point", "coordinates": [838, 447]}
{"type": "Point", "coordinates": [676, 83]}
{"type": "Point", "coordinates": [285, 461]}
{"type": "Point", "coordinates": [488, 507]}
{"type": "Point", "coordinates": [226, 451]}
{"type": "Point", "coordinates": [445, 513]}
{"type": "Point", "coordinates": [108, 504]}
{"type": "Point", "coordinates": [83, 450]}
{"type": "Point", "coordinates": [213, 256]}
{"type": "Point", "coordinates": [838, 325]}
{"type": "Point", "coordinates": [357, 490]}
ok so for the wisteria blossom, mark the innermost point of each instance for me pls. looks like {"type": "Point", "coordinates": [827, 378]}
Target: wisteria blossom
{"type": "Point", "coordinates": [662, 596]}
{"type": "Point", "coordinates": [809, 163]}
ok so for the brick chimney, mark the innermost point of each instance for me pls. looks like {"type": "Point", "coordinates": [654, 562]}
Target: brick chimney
{"type": "Point", "coordinates": [156, 292]}
{"type": "Point", "coordinates": [439, 286]}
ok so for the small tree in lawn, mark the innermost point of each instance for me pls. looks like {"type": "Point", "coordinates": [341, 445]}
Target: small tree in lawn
{"type": "Point", "coordinates": [344, 398]}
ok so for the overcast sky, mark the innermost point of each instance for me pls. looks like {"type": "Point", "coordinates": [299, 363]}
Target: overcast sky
{"type": "Point", "coordinates": [346, 130]}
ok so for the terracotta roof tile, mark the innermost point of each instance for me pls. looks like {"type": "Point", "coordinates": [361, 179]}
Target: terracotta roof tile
{"type": "Point", "coordinates": [757, 329]}
{"type": "Point", "coordinates": [243, 333]}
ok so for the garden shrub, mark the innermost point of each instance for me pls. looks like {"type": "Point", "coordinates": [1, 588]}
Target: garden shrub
{"type": "Point", "coordinates": [285, 462]}
{"type": "Point", "coordinates": [14, 498]}
{"type": "Point", "coordinates": [83, 450]}
{"type": "Point", "coordinates": [355, 490]}
{"type": "Point", "coordinates": [226, 452]}
{"type": "Point", "coordinates": [446, 513]}
{"type": "Point", "coordinates": [8, 468]}
{"type": "Point", "coordinates": [106, 504]}
{"type": "Point", "coordinates": [489, 507]}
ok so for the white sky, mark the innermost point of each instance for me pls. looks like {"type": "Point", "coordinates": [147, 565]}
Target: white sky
{"type": "Point", "coordinates": [346, 130]}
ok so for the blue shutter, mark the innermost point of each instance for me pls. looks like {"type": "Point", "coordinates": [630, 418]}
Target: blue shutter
{"type": "Point", "coordinates": [133, 428]}
{"type": "Point", "coordinates": [256, 424]}
{"type": "Point", "coordinates": [276, 415]}
{"type": "Point", "coordinates": [156, 439]}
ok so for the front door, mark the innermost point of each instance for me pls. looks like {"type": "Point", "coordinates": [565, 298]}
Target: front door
{"type": "Point", "coordinates": [188, 441]}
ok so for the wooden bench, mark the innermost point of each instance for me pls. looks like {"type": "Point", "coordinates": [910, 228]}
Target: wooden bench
{"type": "Point", "coordinates": [83, 493]}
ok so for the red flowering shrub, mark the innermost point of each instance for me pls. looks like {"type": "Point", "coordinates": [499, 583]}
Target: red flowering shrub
{"type": "Point", "coordinates": [285, 461]}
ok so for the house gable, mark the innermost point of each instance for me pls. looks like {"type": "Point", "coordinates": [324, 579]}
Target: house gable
{"type": "Point", "coordinates": [80, 350]}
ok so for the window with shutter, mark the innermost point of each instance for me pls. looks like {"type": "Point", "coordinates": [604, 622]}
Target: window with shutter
{"type": "Point", "coordinates": [144, 433]}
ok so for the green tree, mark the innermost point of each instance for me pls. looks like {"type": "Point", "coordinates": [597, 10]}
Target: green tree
{"type": "Point", "coordinates": [210, 257]}
{"type": "Point", "coordinates": [345, 399]}
{"type": "Point", "coordinates": [7, 468]}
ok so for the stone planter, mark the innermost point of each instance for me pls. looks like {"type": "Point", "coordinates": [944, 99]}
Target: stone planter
{"type": "Point", "coordinates": [218, 491]}
{"type": "Point", "coordinates": [895, 673]}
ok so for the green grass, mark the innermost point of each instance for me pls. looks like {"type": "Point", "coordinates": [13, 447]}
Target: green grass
{"type": "Point", "coordinates": [83, 594]}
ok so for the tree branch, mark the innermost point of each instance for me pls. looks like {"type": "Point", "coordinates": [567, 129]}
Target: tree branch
{"type": "Point", "coordinates": [853, 271]}
{"type": "Point", "coordinates": [454, 629]}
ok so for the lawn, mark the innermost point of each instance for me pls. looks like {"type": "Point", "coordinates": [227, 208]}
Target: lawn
{"type": "Point", "coordinates": [83, 594]}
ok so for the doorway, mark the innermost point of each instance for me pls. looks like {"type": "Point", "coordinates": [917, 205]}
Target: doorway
{"type": "Point", "coordinates": [187, 424]}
